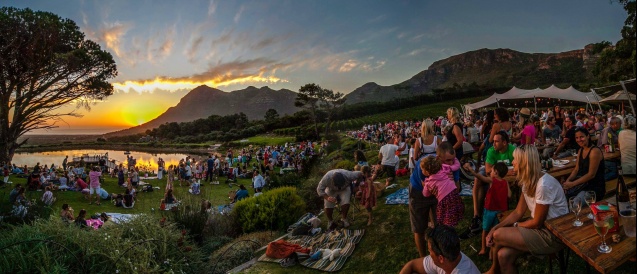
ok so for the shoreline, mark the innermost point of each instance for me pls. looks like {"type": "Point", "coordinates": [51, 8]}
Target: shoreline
{"type": "Point", "coordinates": [123, 147]}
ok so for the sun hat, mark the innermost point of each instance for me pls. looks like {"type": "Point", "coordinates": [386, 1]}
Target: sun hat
{"type": "Point", "coordinates": [525, 112]}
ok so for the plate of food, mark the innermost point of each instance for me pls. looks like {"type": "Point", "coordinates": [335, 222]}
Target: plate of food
{"type": "Point", "coordinates": [560, 162]}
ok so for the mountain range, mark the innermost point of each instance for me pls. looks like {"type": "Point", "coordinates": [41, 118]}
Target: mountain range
{"type": "Point", "coordinates": [483, 68]}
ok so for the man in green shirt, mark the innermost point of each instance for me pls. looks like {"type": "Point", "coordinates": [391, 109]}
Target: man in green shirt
{"type": "Point", "coordinates": [502, 151]}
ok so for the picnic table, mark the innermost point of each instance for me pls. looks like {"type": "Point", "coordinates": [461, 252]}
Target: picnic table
{"type": "Point", "coordinates": [584, 241]}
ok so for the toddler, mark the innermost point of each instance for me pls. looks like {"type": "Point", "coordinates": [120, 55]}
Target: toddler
{"type": "Point", "coordinates": [450, 209]}
{"type": "Point", "coordinates": [496, 200]}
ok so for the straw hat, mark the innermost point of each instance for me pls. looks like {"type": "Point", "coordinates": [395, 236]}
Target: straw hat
{"type": "Point", "coordinates": [525, 112]}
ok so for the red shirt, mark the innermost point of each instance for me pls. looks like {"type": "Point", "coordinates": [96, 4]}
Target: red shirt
{"type": "Point", "coordinates": [497, 196]}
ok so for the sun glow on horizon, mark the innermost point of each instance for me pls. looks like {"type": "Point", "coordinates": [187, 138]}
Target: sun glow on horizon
{"type": "Point", "coordinates": [161, 83]}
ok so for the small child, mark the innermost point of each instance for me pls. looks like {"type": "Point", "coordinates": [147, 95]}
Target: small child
{"type": "Point", "coordinates": [368, 193]}
{"type": "Point", "coordinates": [450, 208]}
{"type": "Point", "coordinates": [496, 200]}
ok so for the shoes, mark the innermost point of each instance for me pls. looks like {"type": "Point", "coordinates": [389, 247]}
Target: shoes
{"type": "Point", "coordinates": [345, 223]}
{"type": "Point", "coordinates": [475, 229]}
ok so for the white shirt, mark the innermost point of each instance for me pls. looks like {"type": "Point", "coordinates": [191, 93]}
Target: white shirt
{"type": "Point", "coordinates": [626, 141]}
{"type": "Point", "coordinates": [388, 151]}
{"type": "Point", "coordinates": [548, 192]}
{"type": "Point", "coordinates": [464, 266]}
{"type": "Point", "coordinates": [257, 181]}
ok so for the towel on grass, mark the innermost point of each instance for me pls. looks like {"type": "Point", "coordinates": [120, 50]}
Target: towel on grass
{"type": "Point", "coordinates": [344, 239]}
{"type": "Point", "coordinates": [399, 197]}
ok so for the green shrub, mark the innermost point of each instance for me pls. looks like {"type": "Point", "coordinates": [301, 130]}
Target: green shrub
{"type": "Point", "coordinates": [287, 179]}
{"type": "Point", "coordinates": [141, 245]}
{"type": "Point", "coordinates": [345, 164]}
{"type": "Point", "coordinates": [275, 209]}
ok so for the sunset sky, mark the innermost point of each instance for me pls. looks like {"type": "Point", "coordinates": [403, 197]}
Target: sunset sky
{"type": "Point", "coordinates": [163, 49]}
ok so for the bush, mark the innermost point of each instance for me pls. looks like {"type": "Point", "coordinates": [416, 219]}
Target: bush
{"type": "Point", "coordinates": [141, 245]}
{"type": "Point", "coordinates": [345, 164]}
{"type": "Point", "coordinates": [275, 209]}
{"type": "Point", "coordinates": [287, 179]}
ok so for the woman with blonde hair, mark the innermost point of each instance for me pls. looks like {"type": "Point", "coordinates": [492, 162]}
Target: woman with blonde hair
{"type": "Point", "coordinates": [543, 196]}
{"type": "Point", "coordinates": [454, 136]}
{"type": "Point", "coordinates": [428, 140]}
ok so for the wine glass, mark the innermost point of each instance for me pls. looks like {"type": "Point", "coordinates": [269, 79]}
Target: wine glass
{"type": "Point", "coordinates": [602, 224]}
{"type": "Point", "coordinates": [590, 199]}
{"type": "Point", "coordinates": [576, 206]}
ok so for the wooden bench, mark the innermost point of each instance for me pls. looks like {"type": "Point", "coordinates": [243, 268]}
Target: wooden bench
{"type": "Point", "coordinates": [611, 186]}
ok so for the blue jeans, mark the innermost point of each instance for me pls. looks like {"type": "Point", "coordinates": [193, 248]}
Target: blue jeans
{"type": "Point", "coordinates": [610, 170]}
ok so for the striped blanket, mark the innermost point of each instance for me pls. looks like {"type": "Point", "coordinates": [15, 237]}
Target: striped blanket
{"type": "Point", "coordinates": [344, 239]}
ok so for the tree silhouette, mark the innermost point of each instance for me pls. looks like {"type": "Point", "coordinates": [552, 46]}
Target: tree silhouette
{"type": "Point", "coordinates": [45, 64]}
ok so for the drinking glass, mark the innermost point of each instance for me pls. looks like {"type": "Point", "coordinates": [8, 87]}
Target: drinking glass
{"type": "Point", "coordinates": [576, 206]}
{"type": "Point", "coordinates": [590, 199]}
{"type": "Point", "coordinates": [602, 224]}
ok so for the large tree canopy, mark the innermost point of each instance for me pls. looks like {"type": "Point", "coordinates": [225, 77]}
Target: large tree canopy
{"type": "Point", "coordinates": [45, 64]}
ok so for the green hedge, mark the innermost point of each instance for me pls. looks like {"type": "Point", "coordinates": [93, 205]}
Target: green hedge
{"type": "Point", "coordinates": [275, 209]}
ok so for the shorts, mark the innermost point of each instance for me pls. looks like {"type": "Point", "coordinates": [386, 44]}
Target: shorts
{"type": "Point", "coordinates": [419, 209]}
{"type": "Point", "coordinates": [489, 219]}
{"type": "Point", "coordinates": [342, 197]}
{"type": "Point", "coordinates": [187, 177]}
{"type": "Point", "coordinates": [540, 241]}
{"type": "Point", "coordinates": [389, 170]}
{"type": "Point", "coordinates": [135, 183]}
{"type": "Point", "coordinates": [94, 190]}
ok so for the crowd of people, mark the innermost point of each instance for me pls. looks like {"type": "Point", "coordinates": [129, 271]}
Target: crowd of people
{"type": "Point", "coordinates": [510, 143]}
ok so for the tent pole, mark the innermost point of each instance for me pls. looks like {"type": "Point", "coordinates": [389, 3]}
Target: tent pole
{"type": "Point", "coordinates": [598, 99]}
{"type": "Point", "coordinates": [535, 103]}
{"type": "Point", "coordinates": [628, 96]}
{"type": "Point", "coordinates": [497, 102]}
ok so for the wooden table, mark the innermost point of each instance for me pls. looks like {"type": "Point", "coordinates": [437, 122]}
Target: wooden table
{"type": "Point", "coordinates": [584, 241]}
{"type": "Point", "coordinates": [616, 155]}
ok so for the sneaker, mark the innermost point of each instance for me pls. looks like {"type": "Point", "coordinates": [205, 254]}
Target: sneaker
{"type": "Point", "coordinates": [345, 223]}
{"type": "Point", "coordinates": [476, 224]}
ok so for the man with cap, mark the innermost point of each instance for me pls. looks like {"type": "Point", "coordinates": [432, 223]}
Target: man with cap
{"type": "Point", "coordinates": [334, 188]}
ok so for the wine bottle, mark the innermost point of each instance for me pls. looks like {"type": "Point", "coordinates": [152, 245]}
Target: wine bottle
{"type": "Point", "coordinates": [622, 196]}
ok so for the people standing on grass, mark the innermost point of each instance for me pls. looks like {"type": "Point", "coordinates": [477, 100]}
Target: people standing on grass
{"type": "Point", "coordinates": [368, 193]}
{"type": "Point", "coordinates": [160, 168]}
{"type": "Point", "coordinates": [450, 208]}
{"type": "Point", "coordinates": [94, 179]}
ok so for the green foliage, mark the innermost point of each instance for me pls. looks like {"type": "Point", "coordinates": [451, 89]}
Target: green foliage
{"type": "Point", "coordinates": [286, 179]}
{"type": "Point", "coordinates": [345, 164]}
{"type": "Point", "coordinates": [139, 246]}
{"type": "Point", "coordinates": [275, 209]}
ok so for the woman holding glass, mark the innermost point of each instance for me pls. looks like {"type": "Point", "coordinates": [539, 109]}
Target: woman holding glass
{"type": "Point", "coordinates": [588, 174]}
{"type": "Point", "coordinates": [543, 196]}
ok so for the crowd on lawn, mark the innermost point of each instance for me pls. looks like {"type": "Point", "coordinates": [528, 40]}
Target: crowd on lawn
{"type": "Point", "coordinates": [255, 163]}
{"type": "Point", "coordinates": [509, 143]}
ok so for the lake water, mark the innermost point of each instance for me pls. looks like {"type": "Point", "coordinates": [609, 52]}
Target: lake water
{"type": "Point", "coordinates": [144, 159]}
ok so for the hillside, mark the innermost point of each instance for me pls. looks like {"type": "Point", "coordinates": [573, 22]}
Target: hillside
{"type": "Point", "coordinates": [479, 69]}
{"type": "Point", "coordinates": [485, 68]}
{"type": "Point", "coordinates": [204, 101]}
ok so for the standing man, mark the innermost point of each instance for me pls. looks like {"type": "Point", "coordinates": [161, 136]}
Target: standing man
{"type": "Point", "coordinates": [65, 162]}
{"type": "Point", "coordinates": [257, 181]}
{"type": "Point", "coordinates": [334, 188]}
{"type": "Point", "coordinates": [422, 209]}
{"type": "Point", "coordinates": [502, 151]}
{"type": "Point", "coordinates": [210, 163]}
{"type": "Point", "coordinates": [388, 158]}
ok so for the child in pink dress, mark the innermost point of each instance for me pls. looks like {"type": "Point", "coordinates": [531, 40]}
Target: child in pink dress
{"type": "Point", "coordinates": [450, 208]}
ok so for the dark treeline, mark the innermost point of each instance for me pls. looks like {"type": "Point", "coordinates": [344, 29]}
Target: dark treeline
{"type": "Point", "coordinates": [236, 126]}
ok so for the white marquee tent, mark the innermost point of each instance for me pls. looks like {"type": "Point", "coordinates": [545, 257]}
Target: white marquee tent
{"type": "Point", "coordinates": [554, 92]}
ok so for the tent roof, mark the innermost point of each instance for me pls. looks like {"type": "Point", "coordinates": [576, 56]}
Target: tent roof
{"type": "Point", "coordinates": [618, 97]}
{"type": "Point", "coordinates": [569, 93]}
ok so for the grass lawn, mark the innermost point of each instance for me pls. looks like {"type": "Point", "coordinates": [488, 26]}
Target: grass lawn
{"type": "Point", "coordinates": [265, 140]}
{"type": "Point", "coordinates": [146, 201]}
{"type": "Point", "coordinates": [389, 243]}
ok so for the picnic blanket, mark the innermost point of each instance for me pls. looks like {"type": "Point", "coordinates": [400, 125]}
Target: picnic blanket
{"type": "Point", "coordinates": [466, 190]}
{"type": "Point", "coordinates": [399, 197]}
{"type": "Point", "coordinates": [344, 239]}
{"type": "Point", "coordinates": [119, 217]}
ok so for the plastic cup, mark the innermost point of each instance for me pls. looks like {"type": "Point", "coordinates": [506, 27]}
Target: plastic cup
{"type": "Point", "coordinates": [628, 220]}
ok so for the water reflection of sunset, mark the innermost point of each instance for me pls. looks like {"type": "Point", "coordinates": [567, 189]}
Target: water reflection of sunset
{"type": "Point", "coordinates": [144, 159]}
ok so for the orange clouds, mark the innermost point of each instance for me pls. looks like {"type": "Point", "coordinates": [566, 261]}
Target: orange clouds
{"type": "Point", "coordinates": [237, 72]}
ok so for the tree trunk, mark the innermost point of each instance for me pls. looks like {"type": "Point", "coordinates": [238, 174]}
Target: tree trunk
{"type": "Point", "coordinates": [7, 148]}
